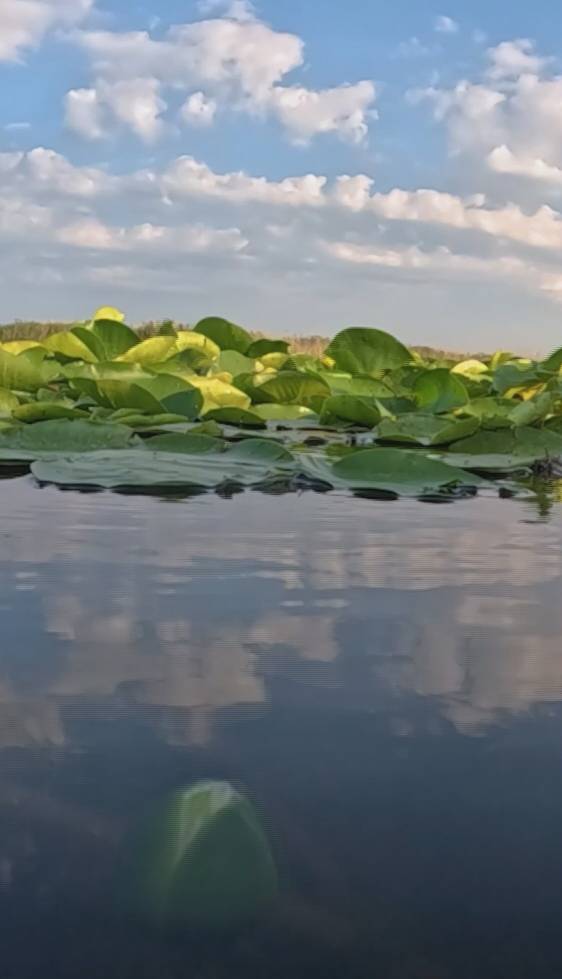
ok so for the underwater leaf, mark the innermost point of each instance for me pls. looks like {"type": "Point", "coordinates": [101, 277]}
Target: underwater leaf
{"type": "Point", "coordinates": [200, 858]}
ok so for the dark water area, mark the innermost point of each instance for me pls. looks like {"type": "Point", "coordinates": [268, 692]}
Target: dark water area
{"type": "Point", "coordinates": [382, 680]}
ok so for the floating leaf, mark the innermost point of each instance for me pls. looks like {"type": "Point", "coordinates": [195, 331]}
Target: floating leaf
{"type": "Point", "coordinates": [398, 471]}
{"type": "Point", "coordinates": [235, 416]}
{"type": "Point", "coordinates": [132, 468]}
{"type": "Point", "coordinates": [38, 411]}
{"type": "Point", "coordinates": [283, 413]}
{"type": "Point", "coordinates": [50, 438]}
{"type": "Point", "coordinates": [188, 443]}
{"type": "Point", "coordinates": [425, 429]}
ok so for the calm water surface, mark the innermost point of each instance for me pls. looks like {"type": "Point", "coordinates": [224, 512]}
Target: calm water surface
{"type": "Point", "coordinates": [384, 680]}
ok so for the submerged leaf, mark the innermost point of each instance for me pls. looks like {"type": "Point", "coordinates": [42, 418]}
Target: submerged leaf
{"type": "Point", "coordinates": [200, 858]}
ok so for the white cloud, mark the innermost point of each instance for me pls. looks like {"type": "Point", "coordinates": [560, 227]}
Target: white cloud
{"type": "Point", "coordinates": [24, 23]}
{"type": "Point", "coordinates": [137, 103]}
{"type": "Point", "coordinates": [84, 113]}
{"type": "Point", "coordinates": [511, 121]}
{"type": "Point", "coordinates": [446, 25]}
{"type": "Point", "coordinates": [133, 102]}
{"type": "Point", "coordinates": [43, 172]}
{"type": "Point", "coordinates": [510, 59]}
{"type": "Point", "coordinates": [234, 62]}
{"type": "Point", "coordinates": [187, 176]}
{"type": "Point", "coordinates": [502, 160]}
{"type": "Point", "coordinates": [93, 234]}
{"type": "Point", "coordinates": [343, 110]}
{"type": "Point", "coordinates": [198, 110]}
{"type": "Point", "coordinates": [413, 258]}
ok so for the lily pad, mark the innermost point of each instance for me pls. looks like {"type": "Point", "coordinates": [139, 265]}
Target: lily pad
{"type": "Point", "coordinates": [48, 439]}
{"type": "Point", "coordinates": [226, 335]}
{"type": "Point", "coordinates": [401, 472]}
{"type": "Point", "coordinates": [365, 351]}
{"type": "Point", "coordinates": [425, 430]}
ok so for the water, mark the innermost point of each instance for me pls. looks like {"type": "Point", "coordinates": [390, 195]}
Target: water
{"type": "Point", "coordinates": [384, 680]}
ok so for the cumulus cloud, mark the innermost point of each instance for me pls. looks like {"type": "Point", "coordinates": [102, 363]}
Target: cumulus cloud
{"type": "Point", "coordinates": [188, 177]}
{"type": "Point", "coordinates": [198, 110]}
{"type": "Point", "coordinates": [93, 234]}
{"type": "Point", "coordinates": [343, 110]}
{"type": "Point", "coordinates": [235, 62]}
{"type": "Point", "coordinates": [24, 23]}
{"type": "Point", "coordinates": [510, 119]}
{"type": "Point", "coordinates": [513, 58]}
{"type": "Point", "coordinates": [84, 113]}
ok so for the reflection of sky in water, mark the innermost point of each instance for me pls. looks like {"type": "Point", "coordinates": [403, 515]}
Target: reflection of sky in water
{"type": "Point", "coordinates": [208, 604]}
{"type": "Point", "coordinates": [384, 680]}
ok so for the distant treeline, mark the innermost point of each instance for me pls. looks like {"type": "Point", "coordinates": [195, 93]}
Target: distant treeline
{"type": "Point", "coordinates": [313, 345]}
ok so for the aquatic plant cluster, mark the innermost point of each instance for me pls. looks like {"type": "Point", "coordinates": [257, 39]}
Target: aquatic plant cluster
{"type": "Point", "coordinates": [212, 407]}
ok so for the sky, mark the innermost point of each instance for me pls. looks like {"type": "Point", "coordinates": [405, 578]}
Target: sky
{"type": "Point", "coordinates": [295, 167]}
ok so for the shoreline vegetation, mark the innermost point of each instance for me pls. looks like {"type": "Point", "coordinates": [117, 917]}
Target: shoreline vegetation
{"type": "Point", "coordinates": [215, 407]}
{"type": "Point", "coordinates": [314, 345]}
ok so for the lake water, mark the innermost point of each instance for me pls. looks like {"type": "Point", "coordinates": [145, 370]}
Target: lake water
{"type": "Point", "coordinates": [383, 680]}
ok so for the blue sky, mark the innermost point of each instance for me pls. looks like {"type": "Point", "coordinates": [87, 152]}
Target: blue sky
{"type": "Point", "coordinates": [295, 167]}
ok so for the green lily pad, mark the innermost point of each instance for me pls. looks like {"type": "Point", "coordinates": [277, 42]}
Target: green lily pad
{"type": "Point", "coordinates": [428, 430]}
{"type": "Point", "coordinates": [47, 439]}
{"type": "Point", "coordinates": [401, 472]}
{"type": "Point", "coordinates": [439, 391]}
{"type": "Point", "coordinates": [226, 335]}
{"type": "Point", "coordinates": [366, 351]}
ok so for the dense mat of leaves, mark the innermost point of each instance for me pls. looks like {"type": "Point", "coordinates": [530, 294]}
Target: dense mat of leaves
{"type": "Point", "coordinates": [213, 407]}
